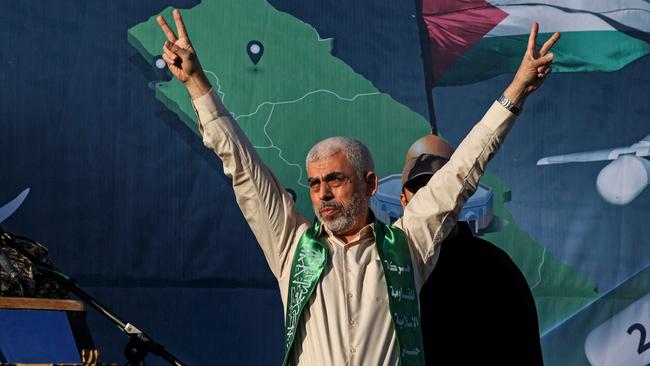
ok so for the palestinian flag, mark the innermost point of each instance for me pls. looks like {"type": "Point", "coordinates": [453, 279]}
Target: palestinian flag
{"type": "Point", "coordinates": [473, 40]}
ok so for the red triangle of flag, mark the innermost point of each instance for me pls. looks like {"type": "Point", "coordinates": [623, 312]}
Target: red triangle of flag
{"type": "Point", "coordinates": [454, 27]}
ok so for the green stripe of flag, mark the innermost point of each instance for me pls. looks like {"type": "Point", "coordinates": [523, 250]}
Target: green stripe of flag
{"type": "Point", "coordinates": [587, 51]}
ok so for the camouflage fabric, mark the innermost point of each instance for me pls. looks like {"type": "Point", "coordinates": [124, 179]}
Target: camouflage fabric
{"type": "Point", "coordinates": [30, 282]}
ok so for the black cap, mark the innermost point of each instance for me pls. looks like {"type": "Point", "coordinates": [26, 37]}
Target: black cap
{"type": "Point", "coordinates": [424, 164]}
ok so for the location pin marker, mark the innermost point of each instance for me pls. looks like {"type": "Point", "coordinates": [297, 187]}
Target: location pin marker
{"type": "Point", "coordinates": [255, 49]}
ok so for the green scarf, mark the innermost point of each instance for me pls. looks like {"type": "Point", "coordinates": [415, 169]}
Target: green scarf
{"type": "Point", "coordinates": [391, 243]}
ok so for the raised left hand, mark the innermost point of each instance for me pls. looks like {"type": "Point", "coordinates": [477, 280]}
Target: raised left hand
{"type": "Point", "coordinates": [535, 65]}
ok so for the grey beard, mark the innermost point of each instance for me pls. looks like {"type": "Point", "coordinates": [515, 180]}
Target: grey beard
{"type": "Point", "coordinates": [347, 216]}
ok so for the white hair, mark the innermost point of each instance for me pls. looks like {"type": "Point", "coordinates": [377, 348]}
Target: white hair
{"type": "Point", "coordinates": [357, 153]}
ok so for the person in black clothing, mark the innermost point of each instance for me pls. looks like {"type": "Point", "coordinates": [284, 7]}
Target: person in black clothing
{"type": "Point", "coordinates": [476, 307]}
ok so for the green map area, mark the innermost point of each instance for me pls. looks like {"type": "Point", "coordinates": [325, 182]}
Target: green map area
{"type": "Point", "coordinates": [299, 93]}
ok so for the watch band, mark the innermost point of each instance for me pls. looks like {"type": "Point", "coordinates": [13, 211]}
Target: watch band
{"type": "Point", "coordinates": [509, 105]}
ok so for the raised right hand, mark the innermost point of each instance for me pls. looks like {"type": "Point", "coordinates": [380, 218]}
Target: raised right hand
{"type": "Point", "coordinates": [181, 57]}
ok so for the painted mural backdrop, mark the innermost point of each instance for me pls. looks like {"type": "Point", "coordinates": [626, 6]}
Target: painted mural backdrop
{"type": "Point", "coordinates": [102, 163]}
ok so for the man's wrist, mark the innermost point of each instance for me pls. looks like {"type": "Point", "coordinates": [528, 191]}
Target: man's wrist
{"type": "Point", "coordinates": [509, 105]}
{"type": "Point", "coordinates": [516, 92]}
{"type": "Point", "coordinates": [198, 85]}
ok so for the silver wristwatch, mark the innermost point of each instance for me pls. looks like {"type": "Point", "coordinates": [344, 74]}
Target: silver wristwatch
{"type": "Point", "coordinates": [509, 105]}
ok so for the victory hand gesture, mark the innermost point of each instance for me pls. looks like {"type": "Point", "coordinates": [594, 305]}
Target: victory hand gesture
{"type": "Point", "coordinates": [536, 65]}
{"type": "Point", "coordinates": [181, 58]}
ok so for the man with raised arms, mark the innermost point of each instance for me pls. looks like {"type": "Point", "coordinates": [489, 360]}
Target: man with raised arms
{"type": "Point", "coordinates": [349, 284]}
